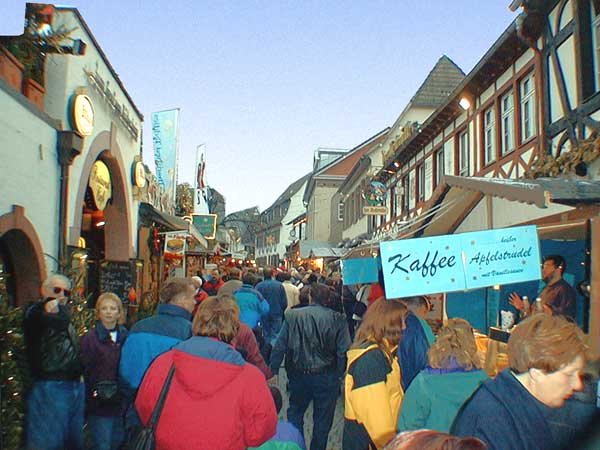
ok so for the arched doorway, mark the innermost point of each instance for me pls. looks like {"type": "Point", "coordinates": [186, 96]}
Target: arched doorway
{"type": "Point", "coordinates": [22, 267]}
{"type": "Point", "coordinates": [102, 216]}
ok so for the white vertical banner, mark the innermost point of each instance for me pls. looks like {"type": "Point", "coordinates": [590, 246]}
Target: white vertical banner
{"type": "Point", "coordinates": [165, 138]}
{"type": "Point", "coordinates": [200, 198]}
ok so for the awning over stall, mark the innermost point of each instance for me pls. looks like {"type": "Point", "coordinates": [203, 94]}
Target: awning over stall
{"type": "Point", "coordinates": [149, 214]}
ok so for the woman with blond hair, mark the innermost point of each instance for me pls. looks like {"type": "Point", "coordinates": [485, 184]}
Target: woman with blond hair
{"type": "Point", "coordinates": [372, 385]}
{"type": "Point", "coordinates": [452, 375]}
{"type": "Point", "coordinates": [100, 356]}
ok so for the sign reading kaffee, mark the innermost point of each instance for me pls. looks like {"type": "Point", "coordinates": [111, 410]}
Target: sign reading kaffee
{"type": "Point", "coordinates": [83, 114]}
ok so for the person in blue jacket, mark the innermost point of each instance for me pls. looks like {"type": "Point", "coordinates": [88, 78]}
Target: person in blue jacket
{"type": "Point", "coordinates": [253, 306]}
{"type": "Point", "coordinates": [416, 339]}
{"type": "Point", "coordinates": [546, 355]}
{"type": "Point", "coordinates": [155, 335]}
{"type": "Point", "coordinates": [274, 292]}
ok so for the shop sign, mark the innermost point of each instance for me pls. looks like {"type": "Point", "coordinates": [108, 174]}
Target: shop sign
{"type": "Point", "coordinates": [460, 261]}
{"type": "Point", "coordinates": [100, 184]}
{"type": "Point", "coordinates": [82, 115]}
{"type": "Point", "coordinates": [110, 97]}
{"type": "Point", "coordinates": [175, 247]}
{"type": "Point", "coordinates": [374, 193]}
{"type": "Point", "coordinates": [375, 210]}
{"type": "Point", "coordinates": [206, 224]}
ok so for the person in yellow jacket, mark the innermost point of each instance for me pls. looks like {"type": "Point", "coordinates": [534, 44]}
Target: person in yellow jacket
{"type": "Point", "coordinates": [373, 392]}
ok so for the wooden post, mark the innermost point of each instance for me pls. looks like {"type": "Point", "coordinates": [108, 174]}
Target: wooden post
{"type": "Point", "coordinates": [594, 326]}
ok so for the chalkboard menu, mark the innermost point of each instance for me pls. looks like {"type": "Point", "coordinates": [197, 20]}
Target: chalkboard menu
{"type": "Point", "coordinates": [117, 277]}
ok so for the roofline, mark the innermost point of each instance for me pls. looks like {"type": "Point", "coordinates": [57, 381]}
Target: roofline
{"type": "Point", "coordinates": [510, 30]}
{"type": "Point", "coordinates": [359, 168]}
{"type": "Point", "coordinates": [310, 183]}
{"type": "Point", "coordinates": [102, 54]}
{"type": "Point", "coordinates": [352, 151]}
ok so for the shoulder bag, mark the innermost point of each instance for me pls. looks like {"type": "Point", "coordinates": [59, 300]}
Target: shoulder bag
{"type": "Point", "coordinates": [144, 438]}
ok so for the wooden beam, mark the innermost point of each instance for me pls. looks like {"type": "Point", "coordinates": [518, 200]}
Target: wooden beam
{"type": "Point", "coordinates": [594, 326]}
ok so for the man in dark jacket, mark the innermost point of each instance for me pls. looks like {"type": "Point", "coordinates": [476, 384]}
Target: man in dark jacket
{"type": "Point", "coordinates": [314, 341]}
{"type": "Point", "coordinates": [55, 404]}
{"type": "Point", "coordinates": [416, 339]}
{"type": "Point", "coordinates": [274, 292]}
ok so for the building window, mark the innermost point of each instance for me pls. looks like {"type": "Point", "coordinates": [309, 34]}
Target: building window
{"type": "Point", "coordinates": [393, 205]}
{"type": "Point", "coordinates": [508, 133]}
{"type": "Point", "coordinates": [405, 192]}
{"type": "Point", "coordinates": [421, 183]}
{"type": "Point", "coordinates": [439, 166]}
{"type": "Point", "coordinates": [528, 126]}
{"type": "Point", "coordinates": [340, 211]}
{"type": "Point", "coordinates": [489, 136]}
{"type": "Point", "coordinates": [463, 154]}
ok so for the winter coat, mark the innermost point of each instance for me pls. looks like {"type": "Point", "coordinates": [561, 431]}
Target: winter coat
{"type": "Point", "coordinates": [314, 339]}
{"type": "Point", "coordinates": [100, 357]}
{"type": "Point", "coordinates": [252, 305]}
{"type": "Point", "coordinates": [52, 343]}
{"type": "Point", "coordinates": [504, 415]}
{"type": "Point", "coordinates": [435, 396]}
{"type": "Point", "coordinates": [216, 400]}
{"type": "Point", "coordinates": [373, 396]}
{"type": "Point", "coordinates": [245, 343]}
{"type": "Point", "coordinates": [287, 437]}
{"type": "Point", "coordinates": [149, 338]}
{"type": "Point", "coordinates": [413, 347]}
{"type": "Point", "coordinates": [274, 292]}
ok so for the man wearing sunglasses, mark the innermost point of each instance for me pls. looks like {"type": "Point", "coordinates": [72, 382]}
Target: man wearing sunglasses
{"type": "Point", "coordinates": [55, 404]}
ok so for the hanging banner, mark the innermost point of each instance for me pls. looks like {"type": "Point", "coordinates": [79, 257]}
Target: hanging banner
{"type": "Point", "coordinates": [360, 270]}
{"type": "Point", "coordinates": [200, 199]}
{"type": "Point", "coordinates": [165, 137]}
{"type": "Point", "coordinates": [460, 261]}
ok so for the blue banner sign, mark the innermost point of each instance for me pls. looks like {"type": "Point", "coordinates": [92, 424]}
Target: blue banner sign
{"type": "Point", "coordinates": [360, 270]}
{"type": "Point", "coordinates": [505, 256]}
{"type": "Point", "coordinates": [460, 261]}
{"type": "Point", "coordinates": [165, 131]}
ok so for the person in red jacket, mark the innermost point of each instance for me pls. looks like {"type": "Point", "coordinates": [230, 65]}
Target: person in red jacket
{"type": "Point", "coordinates": [216, 400]}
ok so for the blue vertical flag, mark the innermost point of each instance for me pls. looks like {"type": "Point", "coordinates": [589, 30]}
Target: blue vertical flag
{"type": "Point", "coordinates": [165, 137]}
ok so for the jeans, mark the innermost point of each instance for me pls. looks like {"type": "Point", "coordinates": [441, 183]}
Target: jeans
{"type": "Point", "coordinates": [272, 327]}
{"type": "Point", "coordinates": [55, 415]}
{"type": "Point", "coordinates": [322, 389]}
{"type": "Point", "coordinates": [106, 433]}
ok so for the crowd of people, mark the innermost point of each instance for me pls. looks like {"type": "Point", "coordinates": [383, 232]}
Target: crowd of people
{"type": "Point", "coordinates": [206, 367]}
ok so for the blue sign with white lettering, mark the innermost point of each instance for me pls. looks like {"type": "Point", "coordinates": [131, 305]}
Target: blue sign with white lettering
{"type": "Point", "coordinates": [360, 270]}
{"type": "Point", "coordinates": [505, 256]}
{"type": "Point", "coordinates": [460, 261]}
{"type": "Point", "coordinates": [422, 266]}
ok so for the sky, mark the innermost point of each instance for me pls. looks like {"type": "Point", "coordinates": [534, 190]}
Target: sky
{"type": "Point", "coordinates": [265, 83]}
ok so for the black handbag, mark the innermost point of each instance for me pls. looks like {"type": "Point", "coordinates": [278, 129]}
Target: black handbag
{"type": "Point", "coordinates": [144, 438]}
{"type": "Point", "coordinates": [106, 393]}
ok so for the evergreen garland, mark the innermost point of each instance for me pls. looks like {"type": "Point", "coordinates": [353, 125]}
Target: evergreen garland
{"type": "Point", "coordinates": [14, 368]}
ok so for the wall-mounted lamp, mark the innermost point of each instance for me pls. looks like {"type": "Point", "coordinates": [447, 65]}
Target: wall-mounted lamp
{"type": "Point", "coordinates": [464, 103]}
{"type": "Point", "coordinates": [396, 164]}
{"type": "Point", "coordinates": [101, 224]}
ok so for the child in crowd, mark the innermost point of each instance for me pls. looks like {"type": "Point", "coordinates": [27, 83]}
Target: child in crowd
{"type": "Point", "coordinates": [287, 437]}
{"type": "Point", "coordinates": [100, 355]}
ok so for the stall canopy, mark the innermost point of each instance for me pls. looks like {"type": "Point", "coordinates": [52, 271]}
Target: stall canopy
{"type": "Point", "coordinates": [149, 214]}
{"type": "Point", "coordinates": [457, 205]}
{"type": "Point", "coordinates": [326, 252]}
